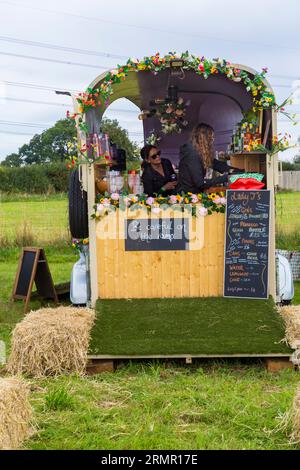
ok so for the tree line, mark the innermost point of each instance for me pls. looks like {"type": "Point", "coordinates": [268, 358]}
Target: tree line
{"type": "Point", "coordinates": [50, 147]}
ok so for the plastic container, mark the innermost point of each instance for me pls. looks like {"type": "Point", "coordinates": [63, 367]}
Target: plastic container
{"type": "Point", "coordinates": [78, 285]}
{"type": "Point", "coordinates": [285, 284]}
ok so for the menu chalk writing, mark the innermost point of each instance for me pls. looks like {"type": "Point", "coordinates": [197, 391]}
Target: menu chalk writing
{"type": "Point", "coordinates": [156, 234]}
{"type": "Point", "coordinates": [247, 244]}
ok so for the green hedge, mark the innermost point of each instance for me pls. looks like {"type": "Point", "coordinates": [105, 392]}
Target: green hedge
{"type": "Point", "coordinates": [34, 179]}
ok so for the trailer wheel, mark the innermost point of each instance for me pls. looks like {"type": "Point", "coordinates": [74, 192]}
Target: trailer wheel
{"type": "Point", "coordinates": [78, 213]}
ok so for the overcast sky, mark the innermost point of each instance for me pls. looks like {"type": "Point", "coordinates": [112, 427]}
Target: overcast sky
{"type": "Point", "coordinates": [255, 33]}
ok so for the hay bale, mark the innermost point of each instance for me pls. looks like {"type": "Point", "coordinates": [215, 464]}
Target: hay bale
{"type": "Point", "coordinates": [15, 413]}
{"type": "Point", "coordinates": [51, 341]}
{"type": "Point", "coordinates": [291, 316]}
{"type": "Point", "coordinates": [296, 418]}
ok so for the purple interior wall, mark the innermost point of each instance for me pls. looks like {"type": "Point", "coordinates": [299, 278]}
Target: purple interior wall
{"type": "Point", "coordinates": [217, 101]}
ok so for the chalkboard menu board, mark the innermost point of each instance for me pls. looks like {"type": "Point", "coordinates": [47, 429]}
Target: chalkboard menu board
{"type": "Point", "coordinates": [33, 267]}
{"type": "Point", "coordinates": [29, 260]}
{"type": "Point", "coordinates": [247, 244]}
{"type": "Point", "coordinates": [156, 234]}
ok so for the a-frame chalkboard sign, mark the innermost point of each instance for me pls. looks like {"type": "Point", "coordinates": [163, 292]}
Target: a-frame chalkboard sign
{"type": "Point", "coordinates": [33, 267]}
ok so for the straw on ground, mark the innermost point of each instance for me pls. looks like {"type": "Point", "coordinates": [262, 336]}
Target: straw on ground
{"type": "Point", "coordinates": [291, 316]}
{"type": "Point", "coordinates": [15, 413]}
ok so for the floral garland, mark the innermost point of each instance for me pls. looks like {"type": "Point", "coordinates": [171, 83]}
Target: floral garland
{"type": "Point", "coordinates": [171, 116]}
{"type": "Point", "coordinates": [201, 204]}
{"type": "Point", "coordinates": [262, 97]}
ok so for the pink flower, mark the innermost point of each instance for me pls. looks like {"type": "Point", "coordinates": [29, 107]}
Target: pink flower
{"type": "Point", "coordinates": [100, 208]}
{"type": "Point", "coordinates": [126, 201]}
{"type": "Point", "coordinates": [201, 67]}
{"type": "Point", "coordinates": [155, 210]}
{"type": "Point", "coordinates": [194, 198]}
{"type": "Point", "coordinates": [202, 211]}
{"type": "Point", "coordinates": [150, 201]}
{"type": "Point", "coordinates": [223, 201]}
{"type": "Point", "coordinates": [115, 196]}
{"type": "Point", "coordinates": [106, 202]}
{"type": "Point", "coordinates": [173, 199]}
{"type": "Point", "coordinates": [217, 200]}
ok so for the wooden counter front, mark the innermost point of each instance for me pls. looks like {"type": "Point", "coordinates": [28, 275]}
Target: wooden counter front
{"type": "Point", "coordinates": [197, 272]}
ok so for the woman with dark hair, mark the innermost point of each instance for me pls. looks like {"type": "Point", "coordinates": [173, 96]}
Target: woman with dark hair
{"type": "Point", "coordinates": [158, 173]}
{"type": "Point", "coordinates": [196, 157]}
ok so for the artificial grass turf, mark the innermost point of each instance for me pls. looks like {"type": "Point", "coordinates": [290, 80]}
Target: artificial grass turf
{"type": "Point", "coordinates": [213, 325]}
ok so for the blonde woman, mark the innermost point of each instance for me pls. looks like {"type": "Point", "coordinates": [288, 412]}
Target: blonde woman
{"type": "Point", "coordinates": [196, 161]}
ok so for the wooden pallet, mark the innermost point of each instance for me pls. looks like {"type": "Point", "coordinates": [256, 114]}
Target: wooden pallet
{"type": "Point", "coordinates": [273, 363]}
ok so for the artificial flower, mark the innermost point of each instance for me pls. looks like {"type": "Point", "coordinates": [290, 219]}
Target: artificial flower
{"type": "Point", "coordinates": [202, 211]}
{"type": "Point", "coordinates": [150, 201]}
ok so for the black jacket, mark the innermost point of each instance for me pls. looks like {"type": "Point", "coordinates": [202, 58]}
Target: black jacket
{"type": "Point", "coordinates": [191, 177]}
{"type": "Point", "coordinates": [154, 181]}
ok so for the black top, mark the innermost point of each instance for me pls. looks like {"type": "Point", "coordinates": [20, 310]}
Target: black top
{"type": "Point", "coordinates": [191, 177]}
{"type": "Point", "coordinates": [153, 181]}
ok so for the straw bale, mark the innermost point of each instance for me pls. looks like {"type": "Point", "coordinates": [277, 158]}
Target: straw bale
{"type": "Point", "coordinates": [15, 413]}
{"type": "Point", "coordinates": [291, 316]}
{"type": "Point", "coordinates": [296, 418]}
{"type": "Point", "coordinates": [51, 341]}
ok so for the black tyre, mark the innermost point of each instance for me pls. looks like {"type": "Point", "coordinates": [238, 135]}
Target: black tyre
{"type": "Point", "coordinates": [78, 213]}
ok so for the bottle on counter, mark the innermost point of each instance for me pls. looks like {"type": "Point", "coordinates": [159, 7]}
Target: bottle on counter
{"type": "Point", "coordinates": [134, 182]}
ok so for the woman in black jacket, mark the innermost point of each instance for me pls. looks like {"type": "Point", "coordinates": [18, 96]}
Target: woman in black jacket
{"type": "Point", "coordinates": [158, 173]}
{"type": "Point", "coordinates": [196, 157]}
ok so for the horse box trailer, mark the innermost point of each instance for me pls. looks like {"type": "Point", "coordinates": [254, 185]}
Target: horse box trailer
{"type": "Point", "coordinates": [228, 97]}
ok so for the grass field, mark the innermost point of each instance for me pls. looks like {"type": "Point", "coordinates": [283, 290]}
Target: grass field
{"type": "Point", "coordinates": [34, 220]}
{"type": "Point", "coordinates": [288, 220]}
{"type": "Point", "coordinates": [288, 211]}
{"type": "Point", "coordinates": [215, 405]}
{"type": "Point", "coordinates": [44, 220]}
{"type": "Point", "coordinates": [209, 405]}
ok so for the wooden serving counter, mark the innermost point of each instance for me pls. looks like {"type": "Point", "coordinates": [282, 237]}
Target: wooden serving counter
{"type": "Point", "coordinates": [195, 270]}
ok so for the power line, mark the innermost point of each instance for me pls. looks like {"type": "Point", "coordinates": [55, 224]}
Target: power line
{"type": "Point", "coordinates": [44, 125]}
{"type": "Point", "coordinates": [61, 48]}
{"type": "Point", "coordinates": [56, 61]}
{"type": "Point", "coordinates": [35, 102]}
{"type": "Point", "coordinates": [48, 88]}
{"type": "Point", "coordinates": [33, 85]}
{"type": "Point", "coordinates": [25, 124]}
{"type": "Point", "coordinates": [65, 105]}
{"type": "Point", "coordinates": [15, 133]}
{"type": "Point", "coordinates": [94, 66]}
{"type": "Point", "coordinates": [289, 77]}
{"type": "Point", "coordinates": [149, 28]}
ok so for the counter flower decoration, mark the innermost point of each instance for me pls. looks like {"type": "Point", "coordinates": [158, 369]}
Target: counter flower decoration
{"type": "Point", "coordinates": [201, 204]}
